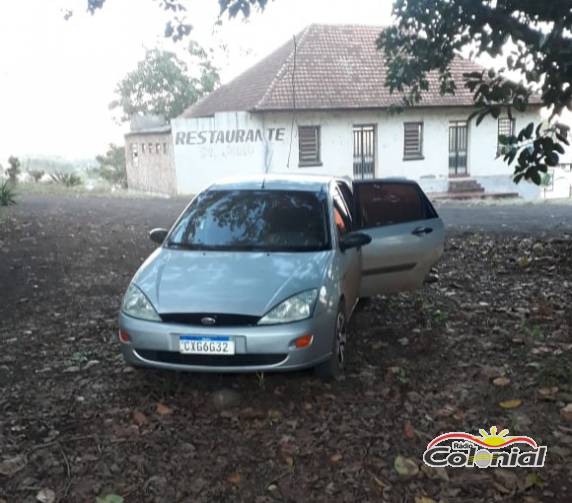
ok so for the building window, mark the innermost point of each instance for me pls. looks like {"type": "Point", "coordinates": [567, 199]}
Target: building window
{"type": "Point", "coordinates": [506, 128]}
{"type": "Point", "coordinates": [142, 148]}
{"type": "Point", "coordinates": [150, 148]}
{"type": "Point", "coordinates": [412, 140]}
{"type": "Point", "coordinates": [309, 146]}
{"type": "Point", "coordinates": [164, 148]}
{"type": "Point", "coordinates": [134, 152]}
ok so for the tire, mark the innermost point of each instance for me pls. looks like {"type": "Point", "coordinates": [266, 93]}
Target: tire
{"type": "Point", "coordinates": [334, 366]}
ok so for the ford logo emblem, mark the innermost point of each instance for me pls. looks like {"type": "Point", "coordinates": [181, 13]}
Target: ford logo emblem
{"type": "Point", "coordinates": [208, 320]}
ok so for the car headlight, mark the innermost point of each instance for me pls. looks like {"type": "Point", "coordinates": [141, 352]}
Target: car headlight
{"type": "Point", "coordinates": [296, 308]}
{"type": "Point", "coordinates": [135, 304]}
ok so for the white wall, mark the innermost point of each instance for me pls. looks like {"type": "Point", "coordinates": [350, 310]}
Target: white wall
{"type": "Point", "coordinates": [199, 163]}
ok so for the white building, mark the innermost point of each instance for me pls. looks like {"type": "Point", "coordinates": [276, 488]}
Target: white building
{"type": "Point", "coordinates": [319, 104]}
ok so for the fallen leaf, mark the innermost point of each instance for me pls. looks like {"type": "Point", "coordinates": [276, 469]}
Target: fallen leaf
{"type": "Point", "coordinates": [533, 480]}
{"type": "Point", "coordinates": [46, 496]}
{"type": "Point", "coordinates": [163, 410]}
{"type": "Point", "coordinates": [336, 458]}
{"type": "Point", "coordinates": [11, 466]}
{"type": "Point", "coordinates": [501, 382]}
{"type": "Point", "coordinates": [110, 498]}
{"type": "Point", "coordinates": [523, 261]}
{"type": "Point", "coordinates": [424, 499]}
{"type": "Point", "coordinates": [506, 479]}
{"type": "Point", "coordinates": [235, 478]}
{"type": "Point", "coordinates": [139, 418]}
{"type": "Point", "coordinates": [446, 411]}
{"type": "Point", "coordinates": [406, 467]}
{"type": "Point", "coordinates": [435, 473]}
{"type": "Point", "coordinates": [548, 393]}
{"type": "Point", "coordinates": [274, 414]}
{"type": "Point", "coordinates": [408, 430]}
{"type": "Point", "coordinates": [566, 412]}
{"type": "Point", "coordinates": [510, 404]}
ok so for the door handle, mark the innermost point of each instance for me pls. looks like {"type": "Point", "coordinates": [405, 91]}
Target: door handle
{"type": "Point", "coordinates": [419, 231]}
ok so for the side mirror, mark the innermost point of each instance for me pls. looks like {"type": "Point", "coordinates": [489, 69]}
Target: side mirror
{"type": "Point", "coordinates": [354, 240]}
{"type": "Point", "coordinates": [158, 235]}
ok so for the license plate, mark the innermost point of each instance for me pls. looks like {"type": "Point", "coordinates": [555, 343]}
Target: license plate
{"type": "Point", "coordinates": [199, 345]}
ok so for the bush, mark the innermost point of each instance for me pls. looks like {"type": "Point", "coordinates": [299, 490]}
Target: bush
{"type": "Point", "coordinates": [7, 193]}
{"type": "Point", "coordinates": [67, 179]}
{"type": "Point", "coordinates": [36, 174]}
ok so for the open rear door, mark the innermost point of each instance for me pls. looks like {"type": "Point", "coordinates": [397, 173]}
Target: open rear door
{"type": "Point", "coordinates": [407, 235]}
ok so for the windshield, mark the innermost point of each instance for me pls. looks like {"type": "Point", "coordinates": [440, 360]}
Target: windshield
{"type": "Point", "coordinates": [254, 220]}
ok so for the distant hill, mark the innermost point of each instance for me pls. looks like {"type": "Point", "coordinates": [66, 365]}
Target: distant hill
{"type": "Point", "coordinates": [53, 164]}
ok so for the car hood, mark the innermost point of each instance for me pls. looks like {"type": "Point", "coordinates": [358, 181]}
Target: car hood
{"type": "Point", "coordinates": [182, 281]}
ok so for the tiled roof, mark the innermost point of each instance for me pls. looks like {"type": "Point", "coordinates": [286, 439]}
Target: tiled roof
{"type": "Point", "coordinates": [334, 66]}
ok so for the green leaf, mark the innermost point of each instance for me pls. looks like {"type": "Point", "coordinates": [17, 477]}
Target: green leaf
{"type": "Point", "coordinates": [482, 116]}
{"type": "Point", "coordinates": [552, 159]}
{"type": "Point", "coordinates": [562, 138]}
{"type": "Point", "coordinates": [528, 130]}
{"type": "Point", "coordinates": [535, 177]}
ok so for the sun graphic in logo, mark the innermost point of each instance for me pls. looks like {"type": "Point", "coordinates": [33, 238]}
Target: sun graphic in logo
{"type": "Point", "coordinates": [493, 439]}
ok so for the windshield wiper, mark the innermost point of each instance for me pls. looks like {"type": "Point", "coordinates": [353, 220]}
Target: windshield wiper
{"type": "Point", "coordinates": [185, 246]}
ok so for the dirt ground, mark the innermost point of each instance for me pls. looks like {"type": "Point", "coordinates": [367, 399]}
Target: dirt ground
{"type": "Point", "coordinates": [77, 424]}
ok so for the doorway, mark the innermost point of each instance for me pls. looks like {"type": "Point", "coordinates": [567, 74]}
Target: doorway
{"type": "Point", "coordinates": [458, 149]}
{"type": "Point", "coordinates": [364, 152]}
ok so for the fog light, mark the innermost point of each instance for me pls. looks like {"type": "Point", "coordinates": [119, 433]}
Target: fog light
{"type": "Point", "coordinates": [304, 341]}
{"type": "Point", "coordinates": [124, 336]}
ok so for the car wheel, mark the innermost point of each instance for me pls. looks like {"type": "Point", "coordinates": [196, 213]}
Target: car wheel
{"type": "Point", "coordinates": [334, 366]}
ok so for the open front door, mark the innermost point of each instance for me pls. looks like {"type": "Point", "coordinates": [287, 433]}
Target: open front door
{"type": "Point", "coordinates": [407, 235]}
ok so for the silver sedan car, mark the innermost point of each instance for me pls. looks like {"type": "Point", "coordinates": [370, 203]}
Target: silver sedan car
{"type": "Point", "coordinates": [262, 274]}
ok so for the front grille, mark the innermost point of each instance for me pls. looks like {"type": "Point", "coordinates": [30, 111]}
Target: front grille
{"type": "Point", "coordinates": [244, 360]}
{"type": "Point", "coordinates": [222, 320]}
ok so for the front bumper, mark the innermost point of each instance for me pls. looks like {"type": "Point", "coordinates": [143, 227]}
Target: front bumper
{"type": "Point", "coordinates": [258, 348]}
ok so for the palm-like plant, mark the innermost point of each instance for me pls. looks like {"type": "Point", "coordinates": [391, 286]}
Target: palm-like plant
{"type": "Point", "coordinates": [7, 193]}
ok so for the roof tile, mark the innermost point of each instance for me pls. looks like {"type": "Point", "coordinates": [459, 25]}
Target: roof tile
{"type": "Point", "coordinates": [334, 66]}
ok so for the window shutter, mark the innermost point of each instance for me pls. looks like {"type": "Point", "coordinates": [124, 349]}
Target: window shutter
{"type": "Point", "coordinates": [309, 145]}
{"type": "Point", "coordinates": [412, 140]}
{"type": "Point", "coordinates": [506, 127]}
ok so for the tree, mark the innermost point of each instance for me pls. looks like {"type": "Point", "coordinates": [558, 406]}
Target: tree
{"type": "Point", "coordinates": [161, 85]}
{"type": "Point", "coordinates": [111, 166]}
{"type": "Point", "coordinates": [14, 170]}
{"type": "Point", "coordinates": [533, 38]}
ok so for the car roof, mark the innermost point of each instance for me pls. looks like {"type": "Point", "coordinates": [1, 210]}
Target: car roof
{"type": "Point", "coordinates": [308, 183]}
{"type": "Point", "coordinates": [288, 181]}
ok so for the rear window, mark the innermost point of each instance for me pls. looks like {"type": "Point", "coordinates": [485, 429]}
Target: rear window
{"type": "Point", "coordinates": [258, 220]}
{"type": "Point", "coordinates": [389, 203]}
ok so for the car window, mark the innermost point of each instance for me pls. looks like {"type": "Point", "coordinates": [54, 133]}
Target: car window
{"type": "Point", "coordinates": [265, 220]}
{"type": "Point", "coordinates": [389, 203]}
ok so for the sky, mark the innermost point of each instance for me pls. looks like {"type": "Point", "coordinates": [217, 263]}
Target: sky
{"type": "Point", "coordinates": [57, 77]}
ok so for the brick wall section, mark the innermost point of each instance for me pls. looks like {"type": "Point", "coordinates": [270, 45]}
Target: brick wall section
{"type": "Point", "coordinates": [149, 160]}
